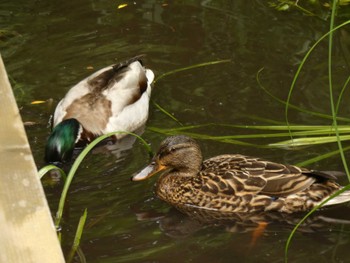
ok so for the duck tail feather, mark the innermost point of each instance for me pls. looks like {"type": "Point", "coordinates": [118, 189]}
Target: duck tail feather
{"type": "Point", "coordinates": [149, 76]}
{"type": "Point", "coordinates": [333, 175]}
{"type": "Point", "coordinates": [332, 220]}
{"type": "Point", "coordinates": [124, 64]}
{"type": "Point", "coordinates": [342, 198]}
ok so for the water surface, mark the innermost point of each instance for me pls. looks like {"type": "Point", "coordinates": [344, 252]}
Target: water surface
{"type": "Point", "coordinates": [49, 47]}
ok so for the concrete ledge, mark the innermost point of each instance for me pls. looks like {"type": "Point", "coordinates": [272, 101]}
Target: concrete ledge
{"type": "Point", "coordinates": [27, 230]}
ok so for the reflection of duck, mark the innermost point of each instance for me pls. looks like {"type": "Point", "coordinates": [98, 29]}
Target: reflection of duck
{"type": "Point", "coordinates": [238, 236]}
{"type": "Point", "coordinates": [235, 183]}
{"type": "Point", "coordinates": [115, 98]}
{"type": "Point", "coordinates": [120, 148]}
{"type": "Point", "coordinates": [179, 225]}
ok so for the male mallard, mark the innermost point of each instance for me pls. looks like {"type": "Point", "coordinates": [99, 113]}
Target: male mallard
{"type": "Point", "coordinates": [115, 98]}
{"type": "Point", "coordinates": [235, 183]}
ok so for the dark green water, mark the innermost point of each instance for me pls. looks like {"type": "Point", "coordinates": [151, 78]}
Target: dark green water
{"type": "Point", "coordinates": [47, 47]}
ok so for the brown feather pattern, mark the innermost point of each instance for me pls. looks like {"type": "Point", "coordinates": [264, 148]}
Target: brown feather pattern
{"type": "Point", "coordinates": [234, 182]}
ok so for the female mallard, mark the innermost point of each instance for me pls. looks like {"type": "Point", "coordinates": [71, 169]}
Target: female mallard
{"type": "Point", "coordinates": [234, 182]}
{"type": "Point", "coordinates": [115, 98]}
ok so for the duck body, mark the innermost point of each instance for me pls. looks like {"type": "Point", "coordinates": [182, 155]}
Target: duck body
{"type": "Point", "coordinates": [235, 183]}
{"type": "Point", "coordinates": [115, 98]}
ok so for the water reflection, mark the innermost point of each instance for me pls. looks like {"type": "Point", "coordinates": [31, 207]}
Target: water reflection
{"type": "Point", "coordinates": [177, 224]}
{"type": "Point", "coordinates": [245, 237]}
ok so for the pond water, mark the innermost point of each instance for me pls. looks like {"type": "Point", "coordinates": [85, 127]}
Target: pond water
{"type": "Point", "coordinates": [48, 46]}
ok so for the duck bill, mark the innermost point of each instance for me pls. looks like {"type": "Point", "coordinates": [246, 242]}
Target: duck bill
{"type": "Point", "coordinates": [148, 171]}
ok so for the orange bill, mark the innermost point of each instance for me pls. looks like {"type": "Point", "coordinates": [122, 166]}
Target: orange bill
{"type": "Point", "coordinates": [148, 171]}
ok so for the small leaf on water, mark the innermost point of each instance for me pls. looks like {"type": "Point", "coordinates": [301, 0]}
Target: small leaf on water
{"type": "Point", "coordinates": [122, 6]}
{"type": "Point", "coordinates": [89, 67]}
{"type": "Point", "coordinates": [283, 7]}
{"type": "Point", "coordinates": [38, 102]}
{"type": "Point", "coordinates": [29, 123]}
{"type": "Point", "coordinates": [344, 2]}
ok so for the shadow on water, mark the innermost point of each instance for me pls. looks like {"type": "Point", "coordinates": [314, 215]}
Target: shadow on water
{"type": "Point", "coordinates": [50, 46]}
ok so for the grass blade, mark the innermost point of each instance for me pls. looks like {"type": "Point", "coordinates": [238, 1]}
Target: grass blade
{"type": "Point", "coordinates": [44, 170]}
{"type": "Point", "coordinates": [77, 163]}
{"type": "Point", "coordinates": [292, 106]}
{"type": "Point", "coordinates": [344, 128]}
{"type": "Point", "coordinates": [341, 95]}
{"type": "Point", "coordinates": [309, 141]}
{"type": "Point", "coordinates": [191, 67]}
{"type": "Point", "coordinates": [224, 139]}
{"type": "Point", "coordinates": [333, 108]}
{"type": "Point", "coordinates": [77, 237]}
{"type": "Point", "coordinates": [334, 117]}
{"type": "Point", "coordinates": [167, 113]}
{"type": "Point", "coordinates": [321, 157]}
{"type": "Point", "coordinates": [303, 62]}
{"type": "Point", "coordinates": [297, 131]}
{"type": "Point", "coordinates": [81, 255]}
{"type": "Point", "coordinates": [286, 248]}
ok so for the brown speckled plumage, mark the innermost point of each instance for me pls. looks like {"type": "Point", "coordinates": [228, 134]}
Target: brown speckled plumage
{"type": "Point", "coordinates": [234, 182]}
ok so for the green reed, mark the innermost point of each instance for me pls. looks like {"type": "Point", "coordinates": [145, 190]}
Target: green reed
{"type": "Point", "coordinates": [77, 237]}
{"type": "Point", "coordinates": [334, 110]}
{"type": "Point", "coordinates": [76, 165]}
{"type": "Point", "coordinates": [68, 180]}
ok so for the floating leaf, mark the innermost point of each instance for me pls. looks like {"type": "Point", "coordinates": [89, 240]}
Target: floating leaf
{"type": "Point", "coordinates": [122, 6]}
{"type": "Point", "coordinates": [29, 123]}
{"type": "Point", "coordinates": [283, 7]}
{"type": "Point", "coordinates": [38, 102]}
{"type": "Point", "coordinates": [89, 67]}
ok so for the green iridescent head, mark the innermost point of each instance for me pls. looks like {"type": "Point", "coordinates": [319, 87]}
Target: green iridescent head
{"type": "Point", "coordinates": [61, 142]}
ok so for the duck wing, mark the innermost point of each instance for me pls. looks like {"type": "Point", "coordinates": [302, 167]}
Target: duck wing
{"type": "Point", "coordinates": [98, 100]}
{"type": "Point", "coordinates": [282, 180]}
{"type": "Point", "coordinates": [109, 76]}
{"type": "Point", "coordinates": [256, 176]}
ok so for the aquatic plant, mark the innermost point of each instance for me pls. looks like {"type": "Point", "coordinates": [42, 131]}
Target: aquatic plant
{"type": "Point", "coordinates": [317, 8]}
{"type": "Point", "coordinates": [68, 180]}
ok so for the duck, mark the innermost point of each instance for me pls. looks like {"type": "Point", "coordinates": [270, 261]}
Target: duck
{"type": "Point", "coordinates": [115, 98]}
{"type": "Point", "coordinates": [235, 183]}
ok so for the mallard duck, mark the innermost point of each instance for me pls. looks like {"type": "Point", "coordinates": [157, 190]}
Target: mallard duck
{"type": "Point", "coordinates": [115, 98]}
{"type": "Point", "coordinates": [234, 182]}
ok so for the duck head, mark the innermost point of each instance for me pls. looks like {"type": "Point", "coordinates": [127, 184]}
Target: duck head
{"type": "Point", "coordinates": [61, 143]}
{"type": "Point", "coordinates": [180, 154]}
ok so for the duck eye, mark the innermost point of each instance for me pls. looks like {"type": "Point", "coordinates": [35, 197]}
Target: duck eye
{"type": "Point", "coordinates": [165, 153]}
{"type": "Point", "coordinates": [171, 150]}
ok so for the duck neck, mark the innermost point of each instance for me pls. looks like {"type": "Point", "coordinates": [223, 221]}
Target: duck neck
{"type": "Point", "coordinates": [60, 144]}
{"type": "Point", "coordinates": [168, 186]}
{"type": "Point", "coordinates": [171, 186]}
